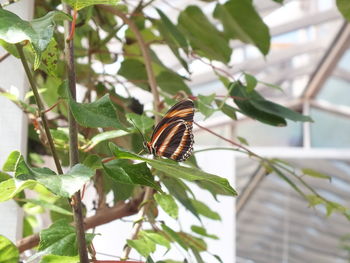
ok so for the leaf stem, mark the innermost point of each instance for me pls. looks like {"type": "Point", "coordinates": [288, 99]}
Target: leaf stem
{"type": "Point", "coordinates": [40, 108]}
{"type": "Point", "coordinates": [73, 134]}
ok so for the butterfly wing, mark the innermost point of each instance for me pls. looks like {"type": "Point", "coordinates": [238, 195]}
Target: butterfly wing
{"type": "Point", "coordinates": [172, 137]}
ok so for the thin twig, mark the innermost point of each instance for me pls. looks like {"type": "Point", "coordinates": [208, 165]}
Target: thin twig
{"type": "Point", "coordinates": [73, 135]}
{"type": "Point", "coordinates": [40, 108]}
{"type": "Point", "coordinates": [2, 58]}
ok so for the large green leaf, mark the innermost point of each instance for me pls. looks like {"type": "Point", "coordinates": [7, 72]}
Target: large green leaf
{"type": "Point", "coordinates": [241, 21]}
{"type": "Point", "coordinates": [205, 210]}
{"type": "Point", "coordinates": [168, 204]}
{"type": "Point", "coordinates": [64, 185]}
{"type": "Point", "coordinates": [255, 106]}
{"type": "Point", "coordinates": [79, 4]}
{"type": "Point", "coordinates": [175, 170]}
{"type": "Point", "coordinates": [344, 8]}
{"type": "Point", "coordinates": [60, 239]}
{"type": "Point", "coordinates": [127, 173]}
{"type": "Point", "coordinates": [8, 251]}
{"type": "Point", "coordinates": [59, 259]}
{"type": "Point", "coordinates": [134, 71]}
{"type": "Point", "coordinates": [204, 38]}
{"type": "Point", "coordinates": [38, 32]}
{"type": "Point", "coordinates": [100, 113]}
{"type": "Point", "coordinates": [12, 187]}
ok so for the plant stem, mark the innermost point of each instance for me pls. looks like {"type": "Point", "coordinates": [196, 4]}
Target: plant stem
{"type": "Point", "coordinates": [40, 108]}
{"type": "Point", "coordinates": [153, 84]}
{"type": "Point", "coordinates": [73, 139]}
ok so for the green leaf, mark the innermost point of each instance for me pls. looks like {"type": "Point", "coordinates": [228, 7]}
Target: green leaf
{"type": "Point", "coordinates": [156, 238]}
{"type": "Point", "coordinates": [59, 259]}
{"type": "Point", "coordinates": [174, 236]}
{"type": "Point", "coordinates": [50, 58]}
{"type": "Point", "coordinates": [79, 4]}
{"type": "Point", "coordinates": [193, 242]}
{"type": "Point", "coordinates": [8, 251]}
{"type": "Point", "coordinates": [242, 140]}
{"type": "Point", "coordinates": [134, 71]}
{"type": "Point", "coordinates": [226, 109]}
{"type": "Point", "coordinates": [11, 162]}
{"type": "Point", "coordinates": [178, 189]}
{"type": "Point", "coordinates": [93, 161]}
{"type": "Point", "coordinates": [344, 8]}
{"type": "Point", "coordinates": [241, 21]}
{"type": "Point", "coordinates": [131, 173]}
{"type": "Point", "coordinates": [202, 231]}
{"type": "Point", "coordinates": [38, 32]}
{"type": "Point", "coordinates": [168, 204]}
{"type": "Point", "coordinates": [64, 204]}
{"type": "Point", "coordinates": [203, 36]}
{"type": "Point", "coordinates": [144, 246]}
{"type": "Point", "coordinates": [313, 173]}
{"type": "Point", "coordinates": [251, 82]}
{"type": "Point", "coordinates": [64, 185]}
{"type": "Point", "coordinates": [12, 187]}
{"type": "Point", "coordinates": [204, 210]}
{"type": "Point", "coordinates": [100, 113]}
{"type": "Point", "coordinates": [172, 83]}
{"type": "Point", "coordinates": [50, 206]}
{"type": "Point", "coordinates": [104, 136]}
{"type": "Point", "coordinates": [60, 239]}
{"type": "Point", "coordinates": [204, 104]}
{"type": "Point", "coordinates": [255, 106]}
{"type": "Point", "coordinates": [173, 169]}
{"type": "Point", "coordinates": [142, 122]}
{"type": "Point", "coordinates": [4, 176]}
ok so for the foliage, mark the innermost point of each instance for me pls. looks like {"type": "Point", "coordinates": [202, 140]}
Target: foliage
{"type": "Point", "coordinates": [110, 117]}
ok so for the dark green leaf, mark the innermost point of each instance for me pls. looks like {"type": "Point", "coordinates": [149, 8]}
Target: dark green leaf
{"type": "Point", "coordinates": [202, 231]}
{"type": "Point", "coordinates": [174, 170]}
{"type": "Point", "coordinates": [344, 8]}
{"type": "Point", "coordinates": [197, 255]}
{"type": "Point", "coordinates": [204, 38]}
{"type": "Point", "coordinates": [204, 210]}
{"type": "Point", "coordinates": [131, 173]}
{"type": "Point", "coordinates": [79, 4]}
{"type": "Point", "coordinates": [168, 204]}
{"type": "Point", "coordinates": [174, 236]}
{"type": "Point", "coordinates": [172, 83]}
{"type": "Point", "coordinates": [39, 31]}
{"type": "Point", "coordinates": [149, 260]}
{"type": "Point", "coordinates": [60, 239]}
{"type": "Point", "coordinates": [59, 259]}
{"type": "Point", "coordinates": [134, 71]}
{"type": "Point", "coordinates": [313, 173]}
{"type": "Point", "coordinates": [226, 109]}
{"type": "Point", "coordinates": [241, 21]}
{"type": "Point", "coordinates": [100, 113]}
{"type": "Point", "coordinates": [8, 251]}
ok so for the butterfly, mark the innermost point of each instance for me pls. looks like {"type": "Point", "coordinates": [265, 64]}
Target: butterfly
{"type": "Point", "coordinates": [173, 137]}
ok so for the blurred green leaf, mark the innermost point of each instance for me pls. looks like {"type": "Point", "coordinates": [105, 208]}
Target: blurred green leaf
{"type": "Point", "coordinates": [134, 71]}
{"type": "Point", "coordinates": [142, 245]}
{"type": "Point", "coordinates": [251, 82]}
{"type": "Point", "coordinates": [241, 21]}
{"type": "Point", "coordinates": [168, 204]}
{"type": "Point", "coordinates": [175, 236]}
{"type": "Point", "coordinates": [11, 162]}
{"type": "Point", "coordinates": [104, 136]}
{"type": "Point", "coordinates": [344, 8]}
{"type": "Point", "coordinates": [50, 206]}
{"type": "Point", "coordinates": [226, 109]}
{"type": "Point", "coordinates": [59, 259]}
{"type": "Point", "coordinates": [79, 4]}
{"type": "Point", "coordinates": [172, 83]}
{"type": "Point", "coordinates": [8, 251]}
{"type": "Point", "coordinates": [11, 187]}
{"type": "Point", "coordinates": [156, 238]}
{"type": "Point", "coordinates": [205, 210]}
{"type": "Point", "coordinates": [203, 36]}
{"type": "Point", "coordinates": [142, 122]}
{"type": "Point", "coordinates": [313, 173]}
{"type": "Point", "coordinates": [202, 231]}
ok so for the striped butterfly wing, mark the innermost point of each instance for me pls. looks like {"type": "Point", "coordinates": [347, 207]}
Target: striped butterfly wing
{"type": "Point", "coordinates": [172, 137]}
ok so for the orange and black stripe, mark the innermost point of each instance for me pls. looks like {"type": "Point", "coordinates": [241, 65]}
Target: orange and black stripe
{"type": "Point", "coordinates": [172, 137]}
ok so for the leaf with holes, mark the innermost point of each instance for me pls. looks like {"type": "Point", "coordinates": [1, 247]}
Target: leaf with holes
{"type": "Point", "coordinates": [38, 32]}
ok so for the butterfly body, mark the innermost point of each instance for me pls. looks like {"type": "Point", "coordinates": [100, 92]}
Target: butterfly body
{"type": "Point", "coordinates": [172, 137]}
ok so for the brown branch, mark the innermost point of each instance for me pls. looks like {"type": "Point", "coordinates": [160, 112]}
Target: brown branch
{"type": "Point", "coordinates": [102, 216]}
{"type": "Point", "coordinates": [2, 58]}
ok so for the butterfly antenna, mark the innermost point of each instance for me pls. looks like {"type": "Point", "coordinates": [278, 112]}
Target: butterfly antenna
{"type": "Point", "coordinates": [143, 137]}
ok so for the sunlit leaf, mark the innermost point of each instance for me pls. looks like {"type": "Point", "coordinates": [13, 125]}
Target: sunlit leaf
{"type": "Point", "coordinates": [313, 173]}
{"type": "Point", "coordinates": [8, 251]}
{"type": "Point", "coordinates": [79, 4]}
{"type": "Point", "coordinates": [205, 210]}
{"type": "Point", "coordinates": [202, 231]}
{"type": "Point", "coordinates": [168, 204]}
{"type": "Point", "coordinates": [175, 236]}
{"type": "Point", "coordinates": [59, 259]}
